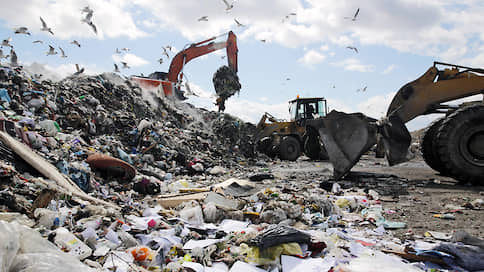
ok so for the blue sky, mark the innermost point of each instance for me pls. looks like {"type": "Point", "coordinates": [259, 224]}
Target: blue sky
{"type": "Point", "coordinates": [397, 41]}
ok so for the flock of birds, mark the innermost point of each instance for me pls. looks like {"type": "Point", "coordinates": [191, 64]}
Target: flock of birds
{"type": "Point", "coordinates": [87, 13]}
{"type": "Point", "coordinates": [354, 18]}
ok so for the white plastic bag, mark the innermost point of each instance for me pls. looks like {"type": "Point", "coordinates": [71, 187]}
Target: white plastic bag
{"type": "Point", "coordinates": [24, 250]}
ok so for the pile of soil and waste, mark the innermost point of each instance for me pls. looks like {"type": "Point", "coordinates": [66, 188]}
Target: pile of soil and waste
{"type": "Point", "coordinates": [98, 175]}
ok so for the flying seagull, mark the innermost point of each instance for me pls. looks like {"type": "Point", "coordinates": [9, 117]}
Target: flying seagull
{"type": "Point", "coordinates": [21, 30]}
{"type": "Point", "coordinates": [362, 89]}
{"type": "Point", "coordinates": [354, 16]}
{"type": "Point", "coordinates": [228, 6]}
{"type": "Point", "coordinates": [263, 40]}
{"type": "Point", "coordinates": [287, 16]}
{"type": "Point", "coordinates": [238, 23]}
{"type": "Point", "coordinates": [63, 55]}
{"type": "Point", "coordinates": [165, 53]}
{"type": "Point", "coordinates": [78, 70]}
{"type": "Point", "coordinates": [169, 47]}
{"type": "Point", "coordinates": [352, 48]}
{"type": "Point", "coordinates": [125, 65]}
{"type": "Point", "coordinates": [13, 58]}
{"type": "Point", "coordinates": [203, 18]}
{"type": "Point", "coordinates": [88, 17]}
{"type": "Point", "coordinates": [116, 68]}
{"type": "Point", "coordinates": [86, 9]}
{"type": "Point", "coordinates": [126, 49]}
{"type": "Point", "coordinates": [76, 43]}
{"type": "Point", "coordinates": [6, 42]}
{"type": "Point", "coordinates": [93, 26]}
{"type": "Point", "coordinates": [45, 27]}
{"type": "Point", "coordinates": [37, 41]}
{"type": "Point", "coordinates": [51, 51]}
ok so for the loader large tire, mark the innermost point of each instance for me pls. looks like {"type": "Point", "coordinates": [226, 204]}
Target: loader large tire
{"type": "Point", "coordinates": [289, 149]}
{"type": "Point", "coordinates": [460, 143]}
{"type": "Point", "coordinates": [314, 149]}
{"type": "Point", "coordinates": [429, 147]}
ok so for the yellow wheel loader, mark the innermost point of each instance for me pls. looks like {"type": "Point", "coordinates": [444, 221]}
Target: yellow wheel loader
{"type": "Point", "coordinates": [452, 145]}
{"type": "Point", "coordinates": [289, 139]}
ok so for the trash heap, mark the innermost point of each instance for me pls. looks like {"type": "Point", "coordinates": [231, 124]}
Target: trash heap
{"type": "Point", "coordinates": [96, 176]}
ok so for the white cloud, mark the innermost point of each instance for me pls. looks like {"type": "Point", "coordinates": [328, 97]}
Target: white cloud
{"type": "Point", "coordinates": [376, 106]}
{"type": "Point", "coordinates": [311, 58]}
{"type": "Point", "coordinates": [246, 110]}
{"type": "Point", "coordinates": [431, 28]}
{"type": "Point", "coordinates": [389, 69]}
{"type": "Point", "coordinates": [59, 72]}
{"type": "Point", "coordinates": [335, 104]}
{"type": "Point", "coordinates": [354, 65]}
{"type": "Point", "coordinates": [131, 59]}
{"type": "Point", "coordinates": [324, 47]}
{"type": "Point", "coordinates": [112, 18]}
{"type": "Point", "coordinates": [250, 111]}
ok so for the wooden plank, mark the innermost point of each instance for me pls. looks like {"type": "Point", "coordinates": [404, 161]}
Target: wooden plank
{"type": "Point", "coordinates": [173, 201]}
{"type": "Point", "coordinates": [48, 170]}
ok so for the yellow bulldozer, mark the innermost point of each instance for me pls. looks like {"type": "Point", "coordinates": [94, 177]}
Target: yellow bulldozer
{"type": "Point", "coordinates": [453, 145]}
{"type": "Point", "coordinates": [289, 139]}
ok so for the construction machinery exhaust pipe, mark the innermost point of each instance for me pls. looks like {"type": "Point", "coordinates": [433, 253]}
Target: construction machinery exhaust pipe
{"type": "Point", "coordinates": [347, 137]}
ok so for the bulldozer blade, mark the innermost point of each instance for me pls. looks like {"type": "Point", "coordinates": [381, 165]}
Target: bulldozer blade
{"type": "Point", "coordinates": [346, 137]}
{"type": "Point", "coordinates": [396, 139]}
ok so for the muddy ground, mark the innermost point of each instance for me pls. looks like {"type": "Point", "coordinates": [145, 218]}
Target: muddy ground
{"type": "Point", "coordinates": [412, 190]}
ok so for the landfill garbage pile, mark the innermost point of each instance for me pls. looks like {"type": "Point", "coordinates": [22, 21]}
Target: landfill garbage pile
{"type": "Point", "coordinates": [93, 178]}
{"type": "Point", "coordinates": [226, 83]}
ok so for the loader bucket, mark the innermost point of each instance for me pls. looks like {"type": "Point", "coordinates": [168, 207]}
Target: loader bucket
{"type": "Point", "coordinates": [346, 137]}
{"type": "Point", "coordinates": [396, 139]}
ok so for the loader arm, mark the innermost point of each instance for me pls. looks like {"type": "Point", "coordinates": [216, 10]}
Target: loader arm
{"type": "Point", "coordinates": [425, 94]}
{"type": "Point", "coordinates": [202, 48]}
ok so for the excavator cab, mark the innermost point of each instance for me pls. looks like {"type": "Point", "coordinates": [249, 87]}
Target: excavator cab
{"type": "Point", "coordinates": [302, 109]}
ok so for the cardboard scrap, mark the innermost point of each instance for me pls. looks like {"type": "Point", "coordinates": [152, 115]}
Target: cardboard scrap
{"type": "Point", "coordinates": [171, 201]}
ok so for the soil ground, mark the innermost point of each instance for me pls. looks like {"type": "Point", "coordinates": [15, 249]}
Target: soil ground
{"type": "Point", "coordinates": [412, 190]}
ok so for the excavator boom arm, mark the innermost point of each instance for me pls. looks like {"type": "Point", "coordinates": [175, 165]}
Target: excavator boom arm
{"type": "Point", "coordinates": [202, 48]}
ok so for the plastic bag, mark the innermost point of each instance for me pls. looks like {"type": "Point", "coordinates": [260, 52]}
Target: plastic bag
{"type": "Point", "coordinates": [269, 255]}
{"type": "Point", "coordinates": [276, 235]}
{"type": "Point", "coordinates": [24, 250]}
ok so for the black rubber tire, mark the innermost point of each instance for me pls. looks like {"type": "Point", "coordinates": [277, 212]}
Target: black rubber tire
{"type": "Point", "coordinates": [289, 149]}
{"type": "Point", "coordinates": [265, 146]}
{"type": "Point", "coordinates": [460, 143]}
{"type": "Point", "coordinates": [314, 149]}
{"type": "Point", "coordinates": [429, 147]}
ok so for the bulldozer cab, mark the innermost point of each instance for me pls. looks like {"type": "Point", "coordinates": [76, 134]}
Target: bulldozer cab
{"type": "Point", "coordinates": [307, 108]}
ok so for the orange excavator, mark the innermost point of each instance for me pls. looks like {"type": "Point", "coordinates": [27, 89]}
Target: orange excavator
{"type": "Point", "coordinates": [170, 82]}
